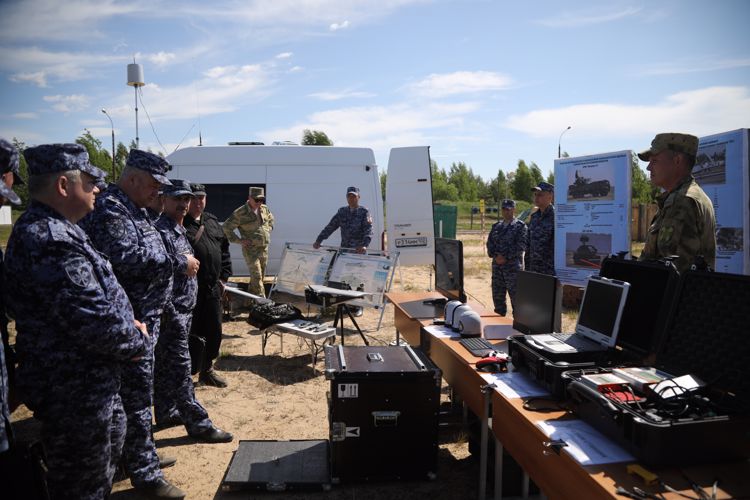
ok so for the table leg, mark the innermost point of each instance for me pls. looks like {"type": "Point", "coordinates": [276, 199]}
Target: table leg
{"type": "Point", "coordinates": [498, 470]}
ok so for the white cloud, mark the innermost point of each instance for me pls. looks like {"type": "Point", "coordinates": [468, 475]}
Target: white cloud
{"type": "Point", "coordinates": [40, 66]}
{"type": "Point", "coordinates": [159, 59]}
{"type": "Point", "coordinates": [700, 112]}
{"type": "Point", "coordinates": [67, 103]}
{"type": "Point", "coordinates": [338, 26]}
{"type": "Point", "coordinates": [38, 78]}
{"type": "Point", "coordinates": [694, 66]}
{"type": "Point", "coordinates": [25, 116]}
{"type": "Point", "coordinates": [295, 69]}
{"type": "Point", "coordinates": [586, 18]}
{"type": "Point", "coordinates": [460, 82]}
{"type": "Point", "coordinates": [342, 94]}
{"type": "Point", "coordinates": [284, 55]}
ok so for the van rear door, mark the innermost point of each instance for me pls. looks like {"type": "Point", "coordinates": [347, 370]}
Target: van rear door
{"type": "Point", "coordinates": [408, 201]}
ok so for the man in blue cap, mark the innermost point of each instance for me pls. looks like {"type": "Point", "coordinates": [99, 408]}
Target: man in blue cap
{"type": "Point", "coordinates": [174, 395]}
{"type": "Point", "coordinates": [9, 176]}
{"type": "Point", "coordinates": [77, 337]}
{"type": "Point", "coordinates": [540, 250]}
{"type": "Point", "coordinates": [505, 245]}
{"type": "Point", "coordinates": [121, 228]}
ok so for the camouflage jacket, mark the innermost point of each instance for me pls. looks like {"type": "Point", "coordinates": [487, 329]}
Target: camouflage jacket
{"type": "Point", "coordinates": [251, 226]}
{"type": "Point", "coordinates": [356, 227]}
{"type": "Point", "coordinates": [540, 249]}
{"type": "Point", "coordinates": [508, 240]}
{"type": "Point", "coordinates": [684, 226]}
{"type": "Point", "coordinates": [184, 288]}
{"type": "Point", "coordinates": [74, 320]}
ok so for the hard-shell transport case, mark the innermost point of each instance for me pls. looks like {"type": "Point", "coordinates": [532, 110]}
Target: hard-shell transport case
{"type": "Point", "coordinates": [651, 296]}
{"type": "Point", "coordinates": [383, 412]}
{"type": "Point", "coordinates": [707, 337]}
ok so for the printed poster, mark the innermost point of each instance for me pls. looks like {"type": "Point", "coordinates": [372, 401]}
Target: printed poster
{"type": "Point", "coordinates": [592, 213]}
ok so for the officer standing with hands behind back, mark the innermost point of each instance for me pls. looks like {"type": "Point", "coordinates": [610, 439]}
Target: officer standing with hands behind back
{"type": "Point", "coordinates": [505, 246]}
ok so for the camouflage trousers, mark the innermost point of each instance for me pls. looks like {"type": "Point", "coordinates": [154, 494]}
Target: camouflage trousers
{"type": "Point", "coordinates": [174, 394]}
{"type": "Point", "coordinates": [139, 452]}
{"type": "Point", "coordinates": [503, 280]}
{"type": "Point", "coordinates": [256, 260]}
{"type": "Point", "coordinates": [82, 444]}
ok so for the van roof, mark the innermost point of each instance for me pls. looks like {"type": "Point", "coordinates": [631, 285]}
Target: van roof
{"type": "Point", "coordinates": [271, 155]}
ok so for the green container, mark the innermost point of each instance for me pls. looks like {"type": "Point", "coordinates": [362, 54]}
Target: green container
{"type": "Point", "coordinates": [444, 217]}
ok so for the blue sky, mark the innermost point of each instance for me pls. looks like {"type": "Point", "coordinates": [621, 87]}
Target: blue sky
{"type": "Point", "coordinates": [483, 82]}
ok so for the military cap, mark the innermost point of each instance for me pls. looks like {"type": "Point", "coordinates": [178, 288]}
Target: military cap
{"type": "Point", "coordinates": [509, 204]}
{"type": "Point", "coordinates": [50, 158]}
{"type": "Point", "coordinates": [9, 161]}
{"type": "Point", "coordinates": [352, 190]}
{"type": "Point", "coordinates": [178, 187]}
{"type": "Point", "coordinates": [257, 192]}
{"type": "Point", "coordinates": [151, 163]}
{"type": "Point", "coordinates": [198, 189]}
{"type": "Point", "coordinates": [679, 143]}
{"type": "Point", "coordinates": [544, 186]}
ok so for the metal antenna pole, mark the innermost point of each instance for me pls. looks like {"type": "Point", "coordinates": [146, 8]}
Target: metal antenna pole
{"type": "Point", "coordinates": [137, 142]}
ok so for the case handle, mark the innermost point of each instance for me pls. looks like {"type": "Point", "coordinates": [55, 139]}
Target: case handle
{"type": "Point", "coordinates": [581, 392]}
{"type": "Point", "coordinates": [385, 418]}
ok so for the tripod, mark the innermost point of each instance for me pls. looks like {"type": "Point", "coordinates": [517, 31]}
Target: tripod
{"type": "Point", "coordinates": [342, 308]}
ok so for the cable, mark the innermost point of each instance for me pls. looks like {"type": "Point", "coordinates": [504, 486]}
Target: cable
{"type": "Point", "coordinates": [140, 98]}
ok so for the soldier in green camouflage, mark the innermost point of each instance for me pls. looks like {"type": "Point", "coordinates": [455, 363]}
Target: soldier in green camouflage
{"type": "Point", "coordinates": [685, 225]}
{"type": "Point", "coordinates": [254, 221]}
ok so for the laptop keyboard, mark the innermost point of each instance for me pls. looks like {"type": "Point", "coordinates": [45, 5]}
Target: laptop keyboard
{"type": "Point", "coordinates": [574, 340]}
{"type": "Point", "coordinates": [478, 346]}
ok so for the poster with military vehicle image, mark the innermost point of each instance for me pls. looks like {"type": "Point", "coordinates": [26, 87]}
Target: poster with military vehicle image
{"type": "Point", "coordinates": [592, 213]}
{"type": "Point", "coordinates": [721, 169]}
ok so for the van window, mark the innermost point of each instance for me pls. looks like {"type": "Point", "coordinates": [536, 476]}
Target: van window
{"type": "Point", "coordinates": [223, 199]}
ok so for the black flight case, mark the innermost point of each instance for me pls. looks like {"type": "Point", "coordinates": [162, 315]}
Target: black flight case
{"type": "Point", "coordinates": [706, 337]}
{"type": "Point", "coordinates": [383, 413]}
{"type": "Point", "coordinates": [651, 296]}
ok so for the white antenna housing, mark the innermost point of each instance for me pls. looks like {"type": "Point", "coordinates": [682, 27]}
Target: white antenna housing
{"type": "Point", "coordinates": [135, 80]}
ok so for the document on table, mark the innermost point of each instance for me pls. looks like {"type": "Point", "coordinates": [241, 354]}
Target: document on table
{"type": "Point", "coordinates": [514, 385]}
{"type": "Point", "coordinates": [584, 443]}
{"type": "Point", "coordinates": [499, 332]}
{"type": "Point", "coordinates": [442, 331]}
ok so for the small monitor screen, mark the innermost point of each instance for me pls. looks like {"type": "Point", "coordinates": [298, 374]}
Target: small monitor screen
{"type": "Point", "coordinates": [449, 268]}
{"type": "Point", "coordinates": [537, 304]}
{"type": "Point", "coordinates": [601, 307]}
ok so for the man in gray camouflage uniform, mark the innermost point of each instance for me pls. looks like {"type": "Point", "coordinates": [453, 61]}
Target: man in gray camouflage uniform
{"type": "Point", "coordinates": [685, 225]}
{"type": "Point", "coordinates": [121, 229]}
{"type": "Point", "coordinates": [174, 395]}
{"type": "Point", "coordinates": [254, 221]}
{"type": "Point", "coordinates": [540, 249]}
{"type": "Point", "coordinates": [505, 246]}
{"type": "Point", "coordinates": [76, 327]}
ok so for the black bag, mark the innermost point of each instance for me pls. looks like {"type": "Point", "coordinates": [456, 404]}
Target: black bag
{"type": "Point", "coordinates": [264, 315]}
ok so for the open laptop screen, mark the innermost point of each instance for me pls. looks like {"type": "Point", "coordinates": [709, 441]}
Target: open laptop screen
{"type": "Point", "coordinates": [601, 310]}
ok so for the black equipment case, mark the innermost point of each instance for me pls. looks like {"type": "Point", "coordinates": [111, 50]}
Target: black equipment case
{"type": "Point", "coordinates": [651, 296]}
{"type": "Point", "coordinates": [383, 412]}
{"type": "Point", "coordinates": [706, 336]}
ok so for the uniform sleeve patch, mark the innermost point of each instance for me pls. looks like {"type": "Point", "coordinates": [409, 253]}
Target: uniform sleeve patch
{"type": "Point", "coordinates": [79, 272]}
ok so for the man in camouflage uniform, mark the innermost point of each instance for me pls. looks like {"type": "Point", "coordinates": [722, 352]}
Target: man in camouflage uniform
{"type": "Point", "coordinates": [355, 223]}
{"type": "Point", "coordinates": [76, 328]}
{"type": "Point", "coordinates": [255, 222]}
{"type": "Point", "coordinates": [121, 229]}
{"type": "Point", "coordinates": [505, 245]}
{"type": "Point", "coordinates": [174, 395]}
{"type": "Point", "coordinates": [9, 174]}
{"type": "Point", "coordinates": [685, 225]}
{"type": "Point", "coordinates": [540, 249]}
{"type": "Point", "coordinates": [211, 247]}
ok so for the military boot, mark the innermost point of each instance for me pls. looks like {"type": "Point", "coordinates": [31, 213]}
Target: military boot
{"type": "Point", "coordinates": [210, 377]}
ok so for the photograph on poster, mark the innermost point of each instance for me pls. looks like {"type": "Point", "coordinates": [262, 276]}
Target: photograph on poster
{"type": "Point", "coordinates": [587, 250]}
{"type": "Point", "coordinates": [729, 239]}
{"type": "Point", "coordinates": [591, 183]}
{"type": "Point", "coordinates": [711, 164]}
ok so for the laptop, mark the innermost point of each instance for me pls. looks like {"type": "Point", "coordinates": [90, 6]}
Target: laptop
{"type": "Point", "coordinates": [598, 320]}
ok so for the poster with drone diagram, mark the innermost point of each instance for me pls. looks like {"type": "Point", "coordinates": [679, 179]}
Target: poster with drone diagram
{"type": "Point", "coordinates": [302, 265]}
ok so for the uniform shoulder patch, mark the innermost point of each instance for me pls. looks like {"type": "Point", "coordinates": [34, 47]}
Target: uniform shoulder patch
{"type": "Point", "coordinates": [115, 228]}
{"type": "Point", "coordinates": [79, 272]}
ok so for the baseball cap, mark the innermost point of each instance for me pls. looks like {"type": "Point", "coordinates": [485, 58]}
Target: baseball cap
{"type": "Point", "coordinates": [544, 186]}
{"type": "Point", "coordinates": [178, 187]}
{"type": "Point", "coordinates": [49, 158]}
{"type": "Point", "coordinates": [198, 189]}
{"type": "Point", "coordinates": [679, 143]}
{"type": "Point", "coordinates": [509, 204]}
{"type": "Point", "coordinates": [151, 163]}
{"type": "Point", "coordinates": [9, 161]}
{"type": "Point", "coordinates": [352, 190]}
{"type": "Point", "coordinates": [257, 192]}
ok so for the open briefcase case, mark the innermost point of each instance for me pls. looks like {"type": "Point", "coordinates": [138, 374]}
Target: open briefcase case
{"type": "Point", "coordinates": [706, 337]}
{"type": "Point", "coordinates": [651, 297]}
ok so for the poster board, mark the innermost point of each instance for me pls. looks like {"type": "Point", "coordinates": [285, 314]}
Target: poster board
{"type": "Point", "coordinates": [365, 273]}
{"type": "Point", "coordinates": [592, 213]}
{"type": "Point", "coordinates": [302, 265]}
{"type": "Point", "coordinates": [721, 169]}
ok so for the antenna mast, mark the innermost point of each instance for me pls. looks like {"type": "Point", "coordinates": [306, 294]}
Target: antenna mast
{"type": "Point", "coordinates": [135, 80]}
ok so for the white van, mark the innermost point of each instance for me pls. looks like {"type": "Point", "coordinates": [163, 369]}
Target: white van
{"type": "Point", "coordinates": [305, 186]}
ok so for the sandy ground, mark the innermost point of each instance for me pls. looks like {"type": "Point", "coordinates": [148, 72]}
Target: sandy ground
{"type": "Point", "coordinates": [279, 397]}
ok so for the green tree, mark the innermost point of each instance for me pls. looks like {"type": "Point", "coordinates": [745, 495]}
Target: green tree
{"type": "Point", "coordinates": [465, 181]}
{"type": "Point", "coordinates": [121, 157]}
{"type": "Point", "coordinates": [522, 182]}
{"type": "Point", "coordinates": [23, 170]}
{"type": "Point", "coordinates": [536, 173]}
{"type": "Point", "coordinates": [441, 189]}
{"type": "Point", "coordinates": [643, 190]}
{"type": "Point", "coordinates": [383, 179]}
{"type": "Point", "coordinates": [551, 177]}
{"type": "Point", "coordinates": [98, 156]}
{"type": "Point", "coordinates": [315, 138]}
{"type": "Point", "coordinates": [499, 188]}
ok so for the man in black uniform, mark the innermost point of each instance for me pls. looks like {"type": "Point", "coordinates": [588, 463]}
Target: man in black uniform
{"type": "Point", "coordinates": [211, 248]}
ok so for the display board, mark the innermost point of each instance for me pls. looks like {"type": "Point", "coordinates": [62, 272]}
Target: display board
{"type": "Point", "coordinates": [721, 169]}
{"type": "Point", "coordinates": [592, 213]}
{"type": "Point", "coordinates": [364, 273]}
{"type": "Point", "coordinates": [302, 265]}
